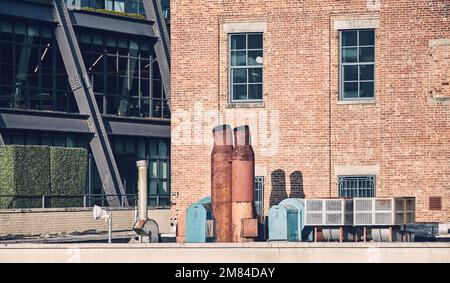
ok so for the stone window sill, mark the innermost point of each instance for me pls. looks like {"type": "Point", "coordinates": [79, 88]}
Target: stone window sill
{"type": "Point", "coordinates": [246, 105]}
{"type": "Point", "coordinates": [352, 102]}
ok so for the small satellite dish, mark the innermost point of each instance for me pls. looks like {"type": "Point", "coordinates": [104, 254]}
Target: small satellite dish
{"type": "Point", "coordinates": [99, 212]}
{"type": "Point", "coordinates": [259, 60]}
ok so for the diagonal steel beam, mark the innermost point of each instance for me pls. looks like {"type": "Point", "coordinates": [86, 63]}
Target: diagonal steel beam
{"type": "Point", "coordinates": [153, 12]}
{"type": "Point", "coordinates": [84, 96]}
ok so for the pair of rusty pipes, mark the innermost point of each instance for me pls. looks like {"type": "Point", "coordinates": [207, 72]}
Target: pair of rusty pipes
{"type": "Point", "coordinates": [232, 175]}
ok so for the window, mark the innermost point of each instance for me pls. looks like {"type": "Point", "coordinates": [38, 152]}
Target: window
{"type": "Point", "coordinates": [357, 69]}
{"type": "Point", "coordinates": [258, 195]}
{"type": "Point", "coordinates": [128, 150]}
{"type": "Point", "coordinates": [246, 67]}
{"type": "Point", "coordinates": [356, 186]}
{"type": "Point", "coordinates": [125, 75]}
{"type": "Point", "coordinates": [32, 73]}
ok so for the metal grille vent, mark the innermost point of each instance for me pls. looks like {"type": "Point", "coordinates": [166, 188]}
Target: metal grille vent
{"type": "Point", "coordinates": [363, 218]}
{"type": "Point", "coordinates": [383, 218]}
{"type": "Point", "coordinates": [314, 205]}
{"type": "Point", "coordinates": [333, 218]}
{"type": "Point", "coordinates": [314, 218]}
{"type": "Point", "coordinates": [435, 203]}
{"type": "Point", "coordinates": [383, 204]}
{"type": "Point", "coordinates": [363, 204]}
{"type": "Point", "coordinates": [333, 205]}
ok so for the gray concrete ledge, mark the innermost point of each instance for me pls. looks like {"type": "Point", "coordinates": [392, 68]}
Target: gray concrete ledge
{"type": "Point", "coordinates": [228, 253]}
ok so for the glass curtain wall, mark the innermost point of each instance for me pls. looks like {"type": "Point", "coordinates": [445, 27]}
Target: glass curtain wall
{"type": "Point", "coordinates": [125, 76]}
{"type": "Point", "coordinates": [32, 73]}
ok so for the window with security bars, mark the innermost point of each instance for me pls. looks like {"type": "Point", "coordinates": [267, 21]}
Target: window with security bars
{"type": "Point", "coordinates": [356, 186]}
{"type": "Point", "coordinates": [258, 195]}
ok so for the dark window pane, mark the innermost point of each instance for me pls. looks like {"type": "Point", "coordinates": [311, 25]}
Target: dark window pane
{"type": "Point", "coordinates": [99, 100]}
{"type": "Point", "coordinates": [61, 81]}
{"type": "Point", "coordinates": [111, 85]}
{"type": "Point", "coordinates": [366, 37]}
{"type": "Point", "coordinates": [255, 75]}
{"type": "Point", "coordinates": [153, 145]}
{"type": "Point", "coordinates": [163, 150]}
{"type": "Point", "coordinates": [7, 53]}
{"type": "Point", "coordinates": [97, 82]}
{"type": "Point", "coordinates": [145, 88]}
{"type": "Point", "coordinates": [145, 108]}
{"type": "Point", "coordinates": [166, 109]}
{"type": "Point", "coordinates": [349, 55]}
{"type": "Point", "coordinates": [239, 75]}
{"type": "Point", "coordinates": [157, 109]}
{"type": "Point", "coordinates": [255, 58]}
{"type": "Point", "coordinates": [238, 58]}
{"type": "Point", "coordinates": [349, 38]}
{"type": "Point", "coordinates": [366, 73]}
{"type": "Point", "coordinates": [239, 92]}
{"type": "Point", "coordinates": [5, 97]}
{"type": "Point", "coordinates": [157, 89]}
{"type": "Point", "coordinates": [111, 104]}
{"type": "Point", "coordinates": [255, 91]}
{"type": "Point", "coordinates": [153, 187]}
{"type": "Point", "coordinates": [350, 73]}
{"type": "Point", "coordinates": [367, 89]}
{"type": "Point", "coordinates": [350, 90]}
{"type": "Point", "coordinates": [366, 54]}
{"type": "Point", "coordinates": [255, 41]}
{"type": "Point", "coordinates": [238, 42]}
{"type": "Point", "coordinates": [6, 74]}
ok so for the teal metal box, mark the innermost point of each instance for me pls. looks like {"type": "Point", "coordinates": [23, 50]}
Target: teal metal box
{"type": "Point", "coordinates": [283, 223]}
{"type": "Point", "coordinates": [199, 222]}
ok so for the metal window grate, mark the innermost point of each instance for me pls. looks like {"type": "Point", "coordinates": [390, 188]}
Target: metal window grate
{"type": "Point", "coordinates": [356, 186]}
{"type": "Point", "coordinates": [258, 194]}
{"type": "Point", "coordinates": [435, 203]}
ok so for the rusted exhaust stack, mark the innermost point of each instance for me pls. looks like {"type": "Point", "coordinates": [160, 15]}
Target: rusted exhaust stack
{"type": "Point", "coordinates": [243, 172]}
{"type": "Point", "coordinates": [221, 175]}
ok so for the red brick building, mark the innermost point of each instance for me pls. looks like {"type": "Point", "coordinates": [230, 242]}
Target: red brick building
{"type": "Point", "coordinates": [343, 98]}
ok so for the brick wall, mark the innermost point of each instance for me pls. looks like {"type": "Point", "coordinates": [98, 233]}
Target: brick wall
{"type": "Point", "coordinates": [302, 132]}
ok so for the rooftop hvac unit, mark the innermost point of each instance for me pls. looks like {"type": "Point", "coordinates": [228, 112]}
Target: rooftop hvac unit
{"type": "Point", "coordinates": [328, 212]}
{"type": "Point", "coordinates": [383, 211]}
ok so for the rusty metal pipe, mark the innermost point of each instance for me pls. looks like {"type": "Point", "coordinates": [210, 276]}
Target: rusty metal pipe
{"type": "Point", "coordinates": [221, 166]}
{"type": "Point", "coordinates": [243, 174]}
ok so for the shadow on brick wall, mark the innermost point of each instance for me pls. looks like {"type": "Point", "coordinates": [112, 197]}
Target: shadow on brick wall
{"type": "Point", "coordinates": [278, 192]}
{"type": "Point", "coordinates": [297, 191]}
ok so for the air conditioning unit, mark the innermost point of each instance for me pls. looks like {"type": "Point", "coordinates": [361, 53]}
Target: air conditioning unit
{"type": "Point", "coordinates": [328, 212]}
{"type": "Point", "coordinates": [383, 211]}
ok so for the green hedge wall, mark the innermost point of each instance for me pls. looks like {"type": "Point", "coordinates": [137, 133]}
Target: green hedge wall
{"type": "Point", "coordinates": [68, 175]}
{"type": "Point", "coordinates": [42, 170]}
{"type": "Point", "coordinates": [24, 170]}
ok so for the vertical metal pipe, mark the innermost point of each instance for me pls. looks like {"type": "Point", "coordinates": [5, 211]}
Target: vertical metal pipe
{"type": "Point", "coordinates": [221, 166]}
{"type": "Point", "coordinates": [110, 228]}
{"type": "Point", "coordinates": [90, 177]}
{"type": "Point", "coordinates": [243, 175]}
{"type": "Point", "coordinates": [142, 187]}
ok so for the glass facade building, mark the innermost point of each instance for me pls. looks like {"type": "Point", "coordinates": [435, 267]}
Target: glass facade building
{"type": "Point", "coordinates": [38, 106]}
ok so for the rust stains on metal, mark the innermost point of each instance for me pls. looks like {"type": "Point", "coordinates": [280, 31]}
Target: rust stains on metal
{"type": "Point", "coordinates": [243, 173]}
{"type": "Point", "coordinates": [221, 174]}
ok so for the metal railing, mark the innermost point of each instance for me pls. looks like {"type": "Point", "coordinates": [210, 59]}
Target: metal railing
{"type": "Point", "coordinates": [88, 200]}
